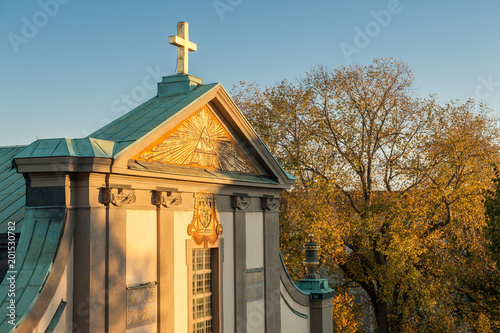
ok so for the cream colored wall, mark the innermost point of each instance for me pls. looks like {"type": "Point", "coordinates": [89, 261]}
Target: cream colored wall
{"type": "Point", "coordinates": [290, 322]}
{"type": "Point", "coordinates": [141, 253]}
{"type": "Point", "coordinates": [255, 239]}
{"type": "Point", "coordinates": [255, 259]}
{"type": "Point", "coordinates": [63, 292]}
{"type": "Point", "coordinates": [181, 221]}
{"type": "Point", "coordinates": [256, 317]}
{"type": "Point", "coordinates": [141, 247]}
{"type": "Point", "coordinates": [143, 329]}
{"type": "Point", "coordinates": [227, 221]}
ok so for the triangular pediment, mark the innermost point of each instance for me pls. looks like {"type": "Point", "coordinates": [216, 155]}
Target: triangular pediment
{"type": "Point", "coordinates": [197, 135]}
{"type": "Point", "coordinates": [200, 141]}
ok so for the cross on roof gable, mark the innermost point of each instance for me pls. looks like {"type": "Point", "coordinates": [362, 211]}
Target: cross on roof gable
{"type": "Point", "coordinates": [184, 46]}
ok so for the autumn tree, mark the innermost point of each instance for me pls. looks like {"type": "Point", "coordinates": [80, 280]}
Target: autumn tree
{"type": "Point", "coordinates": [390, 183]}
{"type": "Point", "coordinates": [492, 206]}
{"type": "Point", "coordinates": [477, 277]}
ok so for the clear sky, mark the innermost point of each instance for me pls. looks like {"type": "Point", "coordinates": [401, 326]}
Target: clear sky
{"type": "Point", "coordinates": [69, 66]}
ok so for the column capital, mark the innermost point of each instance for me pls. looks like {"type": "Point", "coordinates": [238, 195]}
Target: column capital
{"type": "Point", "coordinates": [241, 202]}
{"type": "Point", "coordinates": [271, 204]}
{"type": "Point", "coordinates": [166, 198]}
{"type": "Point", "coordinates": [117, 196]}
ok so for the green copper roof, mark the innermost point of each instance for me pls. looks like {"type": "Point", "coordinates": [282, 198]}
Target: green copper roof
{"type": "Point", "coordinates": [12, 190]}
{"type": "Point", "coordinates": [87, 147]}
{"type": "Point", "coordinates": [176, 93]}
{"type": "Point", "coordinates": [35, 254]}
{"type": "Point", "coordinates": [145, 118]}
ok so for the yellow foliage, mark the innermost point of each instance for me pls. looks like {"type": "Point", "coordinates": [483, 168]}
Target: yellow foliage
{"type": "Point", "coordinates": [345, 315]}
{"type": "Point", "coordinates": [390, 184]}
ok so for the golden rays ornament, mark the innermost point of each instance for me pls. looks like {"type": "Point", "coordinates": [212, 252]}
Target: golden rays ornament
{"type": "Point", "coordinates": [200, 141]}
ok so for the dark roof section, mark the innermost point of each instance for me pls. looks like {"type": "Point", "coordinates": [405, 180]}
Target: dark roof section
{"type": "Point", "coordinates": [12, 190]}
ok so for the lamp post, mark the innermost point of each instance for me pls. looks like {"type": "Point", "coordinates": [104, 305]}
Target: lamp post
{"type": "Point", "coordinates": [312, 283]}
{"type": "Point", "coordinates": [311, 262]}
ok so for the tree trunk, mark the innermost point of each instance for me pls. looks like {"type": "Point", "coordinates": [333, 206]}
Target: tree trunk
{"type": "Point", "coordinates": [381, 315]}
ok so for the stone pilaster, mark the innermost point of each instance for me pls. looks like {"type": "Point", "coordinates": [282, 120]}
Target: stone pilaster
{"type": "Point", "coordinates": [164, 200]}
{"type": "Point", "coordinates": [239, 204]}
{"type": "Point", "coordinates": [90, 290]}
{"type": "Point", "coordinates": [116, 199]}
{"type": "Point", "coordinates": [272, 264]}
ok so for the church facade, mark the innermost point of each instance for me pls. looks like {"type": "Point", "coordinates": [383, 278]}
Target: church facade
{"type": "Point", "coordinates": [164, 220]}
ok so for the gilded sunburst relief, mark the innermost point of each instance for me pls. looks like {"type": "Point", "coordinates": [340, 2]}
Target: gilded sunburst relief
{"type": "Point", "coordinates": [200, 141]}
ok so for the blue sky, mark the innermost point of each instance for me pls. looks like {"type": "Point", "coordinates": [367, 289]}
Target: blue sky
{"type": "Point", "coordinates": [69, 66]}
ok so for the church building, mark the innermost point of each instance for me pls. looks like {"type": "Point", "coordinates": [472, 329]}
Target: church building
{"type": "Point", "coordinates": [164, 220]}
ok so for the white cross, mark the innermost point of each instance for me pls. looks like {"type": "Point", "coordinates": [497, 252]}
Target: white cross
{"type": "Point", "coordinates": [183, 46]}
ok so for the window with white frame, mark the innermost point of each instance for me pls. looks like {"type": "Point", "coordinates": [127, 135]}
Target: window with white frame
{"type": "Point", "coordinates": [201, 292]}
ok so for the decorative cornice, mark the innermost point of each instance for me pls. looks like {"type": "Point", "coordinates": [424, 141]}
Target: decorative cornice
{"type": "Point", "coordinates": [117, 196]}
{"type": "Point", "coordinates": [241, 202]}
{"type": "Point", "coordinates": [167, 198]}
{"type": "Point", "coordinates": [270, 204]}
